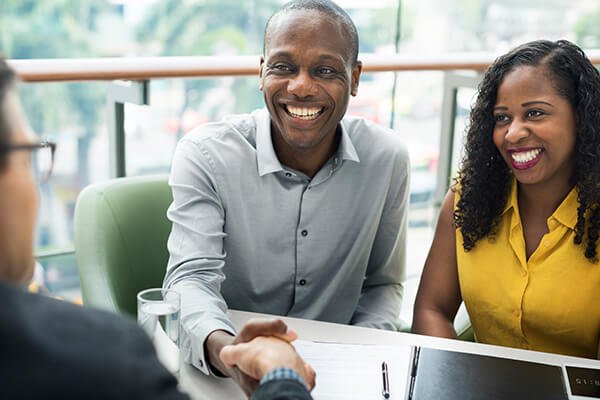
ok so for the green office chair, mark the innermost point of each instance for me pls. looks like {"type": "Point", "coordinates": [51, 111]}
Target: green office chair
{"type": "Point", "coordinates": [463, 327]}
{"type": "Point", "coordinates": [121, 232]}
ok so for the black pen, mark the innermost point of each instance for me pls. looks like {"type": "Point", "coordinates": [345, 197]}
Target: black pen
{"type": "Point", "coordinates": [386, 383]}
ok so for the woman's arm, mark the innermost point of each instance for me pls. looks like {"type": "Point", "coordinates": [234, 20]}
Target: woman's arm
{"type": "Point", "coordinates": [439, 296]}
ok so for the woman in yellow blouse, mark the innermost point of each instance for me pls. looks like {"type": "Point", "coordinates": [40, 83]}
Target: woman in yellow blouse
{"type": "Point", "coordinates": [517, 235]}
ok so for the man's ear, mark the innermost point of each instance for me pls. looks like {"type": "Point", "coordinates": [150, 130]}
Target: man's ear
{"type": "Point", "coordinates": [356, 70]}
{"type": "Point", "coordinates": [260, 73]}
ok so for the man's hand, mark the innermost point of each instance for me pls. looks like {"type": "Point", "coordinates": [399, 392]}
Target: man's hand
{"type": "Point", "coordinates": [264, 354]}
{"type": "Point", "coordinates": [252, 329]}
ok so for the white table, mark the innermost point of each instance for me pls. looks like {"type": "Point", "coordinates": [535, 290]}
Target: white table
{"type": "Point", "coordinates": [200, 386]}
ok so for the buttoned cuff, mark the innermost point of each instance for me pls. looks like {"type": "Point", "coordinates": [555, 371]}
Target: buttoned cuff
{"type": "Point", "coordinates": [192, 345]}
{"type": "Point", "coordinates": [280, 374]}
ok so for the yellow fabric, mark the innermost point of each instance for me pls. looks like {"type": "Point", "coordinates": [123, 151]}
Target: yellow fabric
{"type": "Point", "coordinates": [547, 303]}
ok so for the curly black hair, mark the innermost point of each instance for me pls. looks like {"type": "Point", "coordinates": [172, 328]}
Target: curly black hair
{"type": "Point", "coordinates": [484, 176]}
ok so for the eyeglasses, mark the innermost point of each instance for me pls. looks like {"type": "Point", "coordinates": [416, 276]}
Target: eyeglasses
{"type": "Point", "coordinates": [43, 157]}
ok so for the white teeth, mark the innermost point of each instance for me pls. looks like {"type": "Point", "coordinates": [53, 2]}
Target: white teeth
{"type": "Point", "coordinates": [306, 113]}
{"type": "Point", "coordinates": [525, 156]}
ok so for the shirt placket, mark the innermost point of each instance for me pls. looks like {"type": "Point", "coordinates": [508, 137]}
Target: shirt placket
{"type": "Point", "coordinates": [305, 236]}
{"type": "Point", "coordinates": [517, 243]}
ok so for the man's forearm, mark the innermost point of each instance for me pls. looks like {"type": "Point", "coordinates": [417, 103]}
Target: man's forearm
{"type": "Point", "coordinates": [379, 307]}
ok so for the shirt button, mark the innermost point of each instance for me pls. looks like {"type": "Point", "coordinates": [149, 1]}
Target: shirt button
{"type": "Point", "coordinates": [302, 282]}
{"type": "Point", "coordinates": [200, 363]}
{"type": "Point", "coordinates": [523, 272]}
{"type": "Point", "coordinates": [517, 313]}
{"type": "Point", "coordinates": [304, 233]}
{"type": "Point", "coordinates": [289, 175]}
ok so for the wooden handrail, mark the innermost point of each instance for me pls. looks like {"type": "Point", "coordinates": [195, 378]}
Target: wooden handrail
{"type": "Point", "coordinates": [145, 68]}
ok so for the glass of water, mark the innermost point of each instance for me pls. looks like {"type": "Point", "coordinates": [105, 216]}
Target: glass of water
{"type": "Point", "coordinates": [158, 313]}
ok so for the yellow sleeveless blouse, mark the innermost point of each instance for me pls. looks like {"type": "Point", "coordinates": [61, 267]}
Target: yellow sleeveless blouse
{"type": "Point", "coordinates": [550, 302]}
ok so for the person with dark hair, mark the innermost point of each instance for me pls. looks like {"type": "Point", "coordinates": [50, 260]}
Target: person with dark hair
{"type": "Point", "coordinates": [301, 208]}
{"type": "Point", "coordinates": [517, 235]}
{"type": "Point", "coordinates": [50, 348]}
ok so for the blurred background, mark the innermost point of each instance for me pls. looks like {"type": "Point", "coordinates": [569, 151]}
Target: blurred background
{"type": "Point", "coordinates": [75, 114]}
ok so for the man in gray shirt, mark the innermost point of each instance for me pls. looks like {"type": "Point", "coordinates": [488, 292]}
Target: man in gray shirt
{"type": "Point", "coordinates": [294, 210]}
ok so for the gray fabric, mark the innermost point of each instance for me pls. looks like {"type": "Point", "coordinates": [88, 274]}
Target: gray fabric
{"type": "Point", "coordinates": [331, 248]}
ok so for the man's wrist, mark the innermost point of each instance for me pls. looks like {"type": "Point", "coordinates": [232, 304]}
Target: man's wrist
{"type": "Point", "coordinates": [213, 344]}
{"type": "Point", "coordinates": [282, 373]}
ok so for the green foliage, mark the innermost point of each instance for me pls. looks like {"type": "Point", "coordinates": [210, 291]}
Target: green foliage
{"type": "Point", "coordinates": [56, 29]}
{"type": "Point", "coordinates": [199, 27]}
{"type": "Point", "coordinates": [208, 27]}
{"type": "Point", "coordinates": [587, 30]}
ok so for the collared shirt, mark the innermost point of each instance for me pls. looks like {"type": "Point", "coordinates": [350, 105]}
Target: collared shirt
{"type": "Point", "coordinates": [252, 234]}
{"type": "Point", "coordinates": [547, 303]}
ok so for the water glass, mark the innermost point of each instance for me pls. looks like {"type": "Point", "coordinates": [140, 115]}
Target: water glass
{"type": "Point", "coordinates": [158, 312]}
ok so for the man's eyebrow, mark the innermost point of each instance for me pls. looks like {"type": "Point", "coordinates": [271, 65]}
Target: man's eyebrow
{"type": "Point", "coordinates": [322, 57]}
{"type": "Point", "coordinates": [328, 57]}
{"type": "Point", "coordinates": [282, 53]}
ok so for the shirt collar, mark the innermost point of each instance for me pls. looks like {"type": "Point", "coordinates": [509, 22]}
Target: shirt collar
{"type": "Point", "coordinates": [512, 198]}
{"type": "Point", "coordinates": [347, 151]}
{"type": "Point", "coordinates": [266, 156]}
{"type": "Point", "coordinates": [566, 213]}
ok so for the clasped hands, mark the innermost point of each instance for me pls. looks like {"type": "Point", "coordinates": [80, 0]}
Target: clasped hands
{"type": "Point", "coordinates": [261, 346]}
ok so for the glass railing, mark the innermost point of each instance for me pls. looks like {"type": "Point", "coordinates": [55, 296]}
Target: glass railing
{"type": "Point", "coordinates": [123, 116]}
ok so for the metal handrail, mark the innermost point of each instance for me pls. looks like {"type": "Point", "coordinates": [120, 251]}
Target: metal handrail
{"type": "Point", "coordinates": [146, 68]}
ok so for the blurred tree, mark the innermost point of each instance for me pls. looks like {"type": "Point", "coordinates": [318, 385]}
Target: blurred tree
{"type": "Point", "coordinates": [587, 30]}
{"type": "Point", "coordinates": [57, 29]}
{"type": "Point", "coordinates": [208, 27]}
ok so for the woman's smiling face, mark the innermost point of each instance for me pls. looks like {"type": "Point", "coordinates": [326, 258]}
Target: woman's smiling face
{"type": "Point", "coordinates": [535, 127]}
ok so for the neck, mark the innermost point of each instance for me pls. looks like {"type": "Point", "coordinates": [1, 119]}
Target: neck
{"type": "Point", "coordinates": [308, 161]}
{"type": "Point", "coordinates": [542, 200]}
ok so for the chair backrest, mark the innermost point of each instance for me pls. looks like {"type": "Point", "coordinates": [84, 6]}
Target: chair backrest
{"type": "Point", "coordinates": [121, 232]}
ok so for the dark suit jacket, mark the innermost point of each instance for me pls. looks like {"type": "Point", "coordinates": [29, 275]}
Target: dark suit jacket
{"type": "Point", "coordinates": [283, 389]}
{"type": "Point", "coordinates": [51, 349]}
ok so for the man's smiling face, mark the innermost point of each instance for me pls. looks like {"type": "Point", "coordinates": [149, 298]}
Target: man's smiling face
{"type": "Point", "coordinates": [307, 77]}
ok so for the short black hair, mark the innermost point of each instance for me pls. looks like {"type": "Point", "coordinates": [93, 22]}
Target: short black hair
{"type": "Point", "coordinates": [7, 82]}
{"type": "Point", "coordinates": [326, 7]}
{"type": "Point", "coordinates": [484, 176]}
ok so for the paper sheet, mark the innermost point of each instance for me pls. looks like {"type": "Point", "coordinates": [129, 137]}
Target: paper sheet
{"type": "Point", "coordinates": [353, 371]}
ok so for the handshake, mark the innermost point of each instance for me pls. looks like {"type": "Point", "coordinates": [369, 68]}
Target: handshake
{"type": "Point", "coordinates": [263, 346]}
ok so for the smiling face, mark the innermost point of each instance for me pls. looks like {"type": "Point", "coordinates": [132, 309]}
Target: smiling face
{"type": "Point", "coordinates": [535, 128]}
{"type": "Point", "coordinates": [307, 78]}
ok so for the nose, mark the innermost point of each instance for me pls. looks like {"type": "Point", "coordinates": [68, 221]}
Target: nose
{"type": "Point", "coordinates": [516, 131]}
{"type": "Point", "coordinates": [302, 85]}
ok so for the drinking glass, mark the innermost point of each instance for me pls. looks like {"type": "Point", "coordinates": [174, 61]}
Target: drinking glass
{"type": "Point", "coordinates": [158, 312]}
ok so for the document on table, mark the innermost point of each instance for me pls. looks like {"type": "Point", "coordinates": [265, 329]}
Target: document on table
{"type": "Point", "coordinates": [353, 371]}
